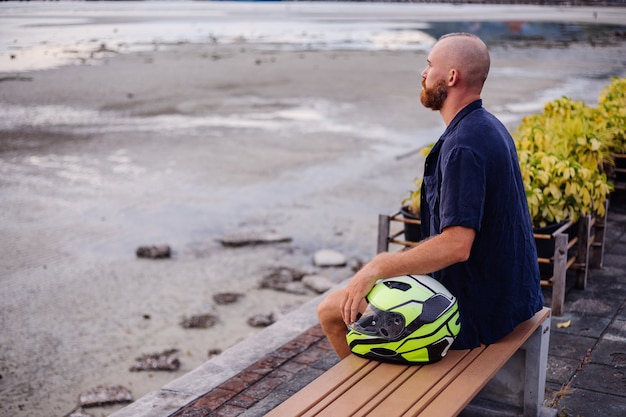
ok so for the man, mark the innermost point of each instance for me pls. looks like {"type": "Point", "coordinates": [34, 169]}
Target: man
{"type": "Point", "coordinates": [475, 218]}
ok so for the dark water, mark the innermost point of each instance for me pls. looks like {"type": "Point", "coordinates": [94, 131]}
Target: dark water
{"type": "Point", "coordinates": [530, 34]}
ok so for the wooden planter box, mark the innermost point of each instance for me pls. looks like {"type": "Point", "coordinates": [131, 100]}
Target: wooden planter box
{"type": "Point", "coordinates": [553, 267]}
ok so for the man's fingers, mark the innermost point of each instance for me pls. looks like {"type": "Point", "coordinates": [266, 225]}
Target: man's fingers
{"type": "Point", "coordinates": [346, 311]}
{"type": "Point", "coordinates": [350, 310]}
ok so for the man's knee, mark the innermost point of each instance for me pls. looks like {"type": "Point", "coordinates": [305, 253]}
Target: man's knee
{"type": "Point", "coordinates": [329, 309]}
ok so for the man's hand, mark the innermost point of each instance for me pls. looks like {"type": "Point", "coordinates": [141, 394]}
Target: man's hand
{"type": "Point", "coordinates": [353, 301]}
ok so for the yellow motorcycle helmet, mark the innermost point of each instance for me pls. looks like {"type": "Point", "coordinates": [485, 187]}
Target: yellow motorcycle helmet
{"type": "Point", "coordinates": [408, 320]}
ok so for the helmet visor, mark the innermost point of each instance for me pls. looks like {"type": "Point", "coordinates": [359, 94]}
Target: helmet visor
{"type": "Point", "coordinates": [384, 324]}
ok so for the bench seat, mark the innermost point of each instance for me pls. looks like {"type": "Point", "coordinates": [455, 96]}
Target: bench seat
{"type": "Point", "coordinates": [360, 387]}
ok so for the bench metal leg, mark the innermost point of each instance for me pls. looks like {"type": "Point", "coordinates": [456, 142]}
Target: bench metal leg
{"type": "Point", "coordinates": [518, 389]}
{"type": "Point", "coordinates": [536, 348]}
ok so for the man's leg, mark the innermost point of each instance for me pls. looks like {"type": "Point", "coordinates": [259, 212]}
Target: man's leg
{"type": "Point", "coordinates": [329, 314]}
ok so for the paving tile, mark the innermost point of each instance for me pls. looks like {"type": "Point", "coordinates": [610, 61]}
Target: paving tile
{"type": "Point", "coordinates": [299, 381]}
{"type": "Point", "coordinates": [266, 365]}
{"type": "Point", "coordinates": [570, 346]}
{"type": "Point", "coordinates": [616, 259]}
{"type": "Point", "coordinates": [311, 356]}
{"type": "Point", "coordinates": [194, 412]}
{"type": "Point", "coordinates": [580, 324]}
{"type": "Point", "coordinates": [296, 346]}
{"type": "Point", "coordinates": [213, 399]}
{"type": "Point", "coordinates": [585, 403]}
{"type": "Point", "coordinates": [551, 397]}
{"type": "Point", "coordinates": [611, 349]}
{"type": "Point", "coordinates": [228, 411]}
{"type": "Point", "coordinates": [560, 370]}
{"type": "Point", "coordinates": [263, 387]}
{"type": "Point", "coordinates": [602, 378]}
{"type": "Point", "coordinates": [243, 401]}
{"type": "Point", "coordinates": [592, 303]}
{"type": "Point", "coordinates": [289, 369]}
{"type": "Point", "coordinates": [265, 405]}
{"type": "Point", "coordinates": [241, 381]}
{"type": "Point", "coordinates": [326, 361]}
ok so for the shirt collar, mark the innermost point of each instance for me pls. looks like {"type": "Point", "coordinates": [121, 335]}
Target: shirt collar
{"type": "Point", "coordinates": [474, 105]}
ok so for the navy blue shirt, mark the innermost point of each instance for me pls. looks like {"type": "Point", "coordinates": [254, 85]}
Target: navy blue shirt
{"type": "Point", "coordinates": [472, 179]}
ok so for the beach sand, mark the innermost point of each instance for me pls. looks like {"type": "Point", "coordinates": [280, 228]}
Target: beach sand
{"type": "Point", "coordinates": [184, 144]}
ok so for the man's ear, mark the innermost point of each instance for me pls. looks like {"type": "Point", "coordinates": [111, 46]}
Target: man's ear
{"type": "Point", "coordinates": [453, 77]}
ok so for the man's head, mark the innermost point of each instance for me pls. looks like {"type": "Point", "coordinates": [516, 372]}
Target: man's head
{"type": "Point", "coordinates": [459, 62]}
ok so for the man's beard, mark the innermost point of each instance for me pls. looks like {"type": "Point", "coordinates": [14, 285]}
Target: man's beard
{"type": "Point", "coordinates": [434, 97]}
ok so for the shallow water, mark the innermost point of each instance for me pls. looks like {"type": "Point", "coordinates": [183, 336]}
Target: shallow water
{"type": "Point", "coordinates": [44, 35]}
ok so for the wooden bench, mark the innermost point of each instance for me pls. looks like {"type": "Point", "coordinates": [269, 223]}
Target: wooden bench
{"type": "Point", "coordinates": [509, 375]}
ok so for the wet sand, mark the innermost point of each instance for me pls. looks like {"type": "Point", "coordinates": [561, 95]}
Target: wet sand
{"type": "Point", "coordinates": [184, 144]}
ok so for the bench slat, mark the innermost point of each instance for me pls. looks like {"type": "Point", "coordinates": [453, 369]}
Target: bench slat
{"type": "Point", "coordinates": [320, 388]}
{"type": "Point", "coordinates": [424, 384]}
{"type": "Point", "coordinates": [359, 394]}
{"type": "Point", "coordinates": [462, 389]}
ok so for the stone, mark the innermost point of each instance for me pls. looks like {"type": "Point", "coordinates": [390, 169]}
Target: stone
{"type": "Point", "coordinates": [164, 361]}
{"type": "Point", "coordinates": [282, 279]}
{"type": "Point", "coordinates": [295, 287]}
{"type": "Point", "coordinates": [202, 321]}
{"type": "Point", "coordinates": [226, 298]}
{"type": "Point", "coordinates": [317, 283]}
{"type": "Point", "coordinates": [261, 320]}
{"type": "Point", "coordinates": [214, 352]}
{"type": "Point", "coordinates": [253, 238]}
{"type": "Point", "coordinates": [154, 252]}
{"type": "Point", "coordinates": [328, 258]}
{"type": "Point", "coordinates": [102, 395]}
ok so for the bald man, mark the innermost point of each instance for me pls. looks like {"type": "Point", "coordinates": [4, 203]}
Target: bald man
{"type": "Point", "coordinates": [478, 235]}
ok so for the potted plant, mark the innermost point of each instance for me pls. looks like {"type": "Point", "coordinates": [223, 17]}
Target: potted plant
{"type": "Point", "coordinates": [410, 206]}
{"type": "Point", "coordinates": [411, 212]}
{"type": "Point", "coordinates": [612, 121]}
{"type": "Point", "coordinates": [562, 154]}
{"type": "Point", "coordinates": [561, 189]}
{"type": "Point", "coordinates": [612, 111]}
{"type": "Point", "coordinates": [568, 129]}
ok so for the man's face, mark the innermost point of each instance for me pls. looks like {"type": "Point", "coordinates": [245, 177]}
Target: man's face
{"type": "Point", "coordinates": [434, 97]}
{"type": "Point", "coordinates": [434, 87]}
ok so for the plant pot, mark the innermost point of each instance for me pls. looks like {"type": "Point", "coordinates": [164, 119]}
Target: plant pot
{"type": "Point", "coordinates": [545, 247]}
{"type": "Point", "coordinates": [412, 231]}
{"type": "Point", "coordinates": [620, 168]}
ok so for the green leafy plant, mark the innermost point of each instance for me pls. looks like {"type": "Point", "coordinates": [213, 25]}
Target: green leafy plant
{"type": "Point", "coordinates": [568, 129]}
{"type": "Point", "coordinates": [564, 151]}
{"type": "Point", "coordinates": [412, 201]}
{"type": "Point", "coordinates": [612, 110]}
{"type": "Point", "coordinates": [559, 189]}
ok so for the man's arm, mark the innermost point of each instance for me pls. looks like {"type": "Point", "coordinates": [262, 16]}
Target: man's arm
{"type": "Point", "coordinates": [453, 245]}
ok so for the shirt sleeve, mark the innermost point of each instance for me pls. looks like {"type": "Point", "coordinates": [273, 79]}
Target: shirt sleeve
{"type": "Point", "coordinates": [463, 189]}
